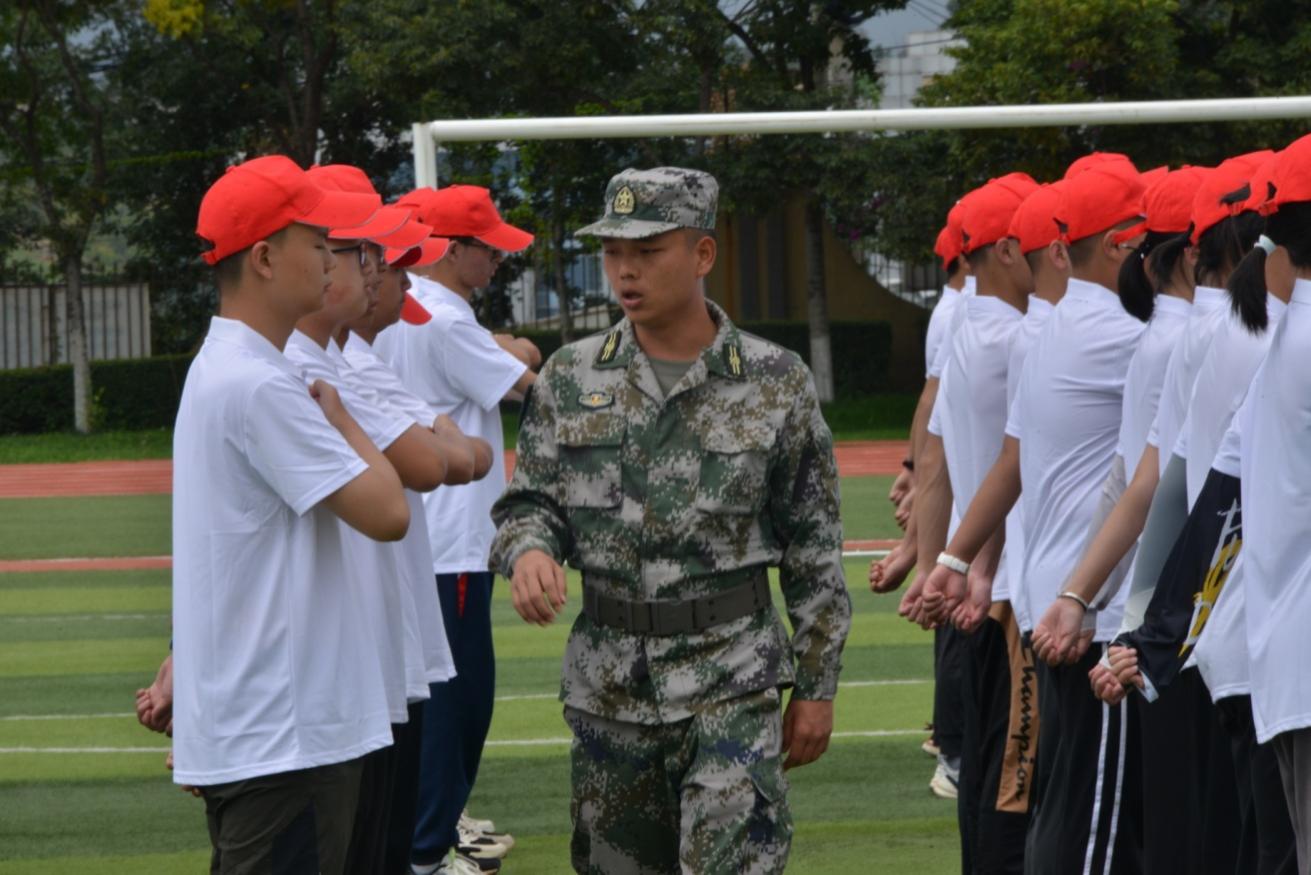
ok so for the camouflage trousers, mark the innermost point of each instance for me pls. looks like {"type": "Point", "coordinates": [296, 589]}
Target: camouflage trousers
{"type": "Point", "coordinates": [704, 795]}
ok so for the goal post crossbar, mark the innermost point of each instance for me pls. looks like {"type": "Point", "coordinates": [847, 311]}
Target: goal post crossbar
{"type": "Point", "coordinates": [428, 134]}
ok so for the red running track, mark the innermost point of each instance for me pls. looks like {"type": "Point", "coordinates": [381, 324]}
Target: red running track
{"type": "Point", "coordinates": [155, 476]}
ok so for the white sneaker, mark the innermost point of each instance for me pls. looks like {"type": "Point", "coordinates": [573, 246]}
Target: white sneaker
{"type": "Point", "coordinates": [473, 827]}
{"type": "Point", "coordinates": [474, 824]}
{"type": "Point", "coordinates": [454, 864]}
{"type": "Point", "coordinates": [930, 747]}
{"type": "Point", "coordinates": [943, 783]}
{"type": "Point", "coordinates": [481, 846]}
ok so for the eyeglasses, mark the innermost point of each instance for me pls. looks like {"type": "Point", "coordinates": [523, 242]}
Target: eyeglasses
{"type": "Point", "coordinates": [363, 255]}
{"type": "Point", "coordinates": [474, 243]}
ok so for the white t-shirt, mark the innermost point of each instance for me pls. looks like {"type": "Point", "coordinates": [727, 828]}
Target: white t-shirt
{"type": "Point", "coordinates": [272, 670]}
{"type": "Point", "coordinates": [1142, 387]}
{"type": "Point", "coordinates": [938, 322]}
{"type": "Point", "coordinates": [416, 554]}
{"type": "Point", "coordinates": [1066, 417]}
{"type": "Point", "coordinates": [1221, 652]}
{"type": "Point", "coordinates": [388, 608]}
{"type": "Point", "coordinates": [373, 370]}
{"type": "Point", "coordinates": [455, 366]}
{"type": "Point", "coordinates": [1222, 383]}
{"type": "Point", "coordinates": [953, 319]}
{"type": "Point", "coordinates": [1277, 526]}
{"type": "Point", "coordinates": [970, 411]}
{"type": "Point", "coordinates": [1205, 318]}
{"type": "Point", "coordinates": [1012, 558]}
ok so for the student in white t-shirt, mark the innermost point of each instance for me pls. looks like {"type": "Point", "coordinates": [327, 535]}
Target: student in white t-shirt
{"type": "Point", "coordinates": [461, 369]}
{"type": "Point", "coordinates": [888, 573]}
{"type": "Point", "coordinates": [278, 688]}
{"type": "Point", "coordinates": [1061, 438]}
{"type": "Point", "coordinates": [967, 426]}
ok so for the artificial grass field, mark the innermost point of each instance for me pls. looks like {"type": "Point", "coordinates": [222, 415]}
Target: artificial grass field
{"type": "Point", "coordinates": [83, 788]}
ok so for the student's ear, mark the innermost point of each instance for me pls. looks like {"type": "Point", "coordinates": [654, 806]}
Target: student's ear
{"type": "Point", "coordinates": [1110, 249]}
{"type": "Point", "coordinates": [260, 259]}
{"type": "Point", "coordinates": [1058, 253]}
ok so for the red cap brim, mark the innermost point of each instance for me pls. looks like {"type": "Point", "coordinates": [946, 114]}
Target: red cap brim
{"type": "Point", "coordinates": [506, 238]}
{"type": "Point", "coordinates": [413, 312]}
{"type": "Point", "coordinates": [429, 251]}
{"type": "Point", "coordinates": [411, 234]}
{"type": "Point", "coordinates": [1131, 232]}
{"type": "Point", "coordinates": [386, 221]}
{"type": "Point", "coordinates": [341, 209]}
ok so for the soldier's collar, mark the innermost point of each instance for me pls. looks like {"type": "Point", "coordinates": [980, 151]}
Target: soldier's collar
{"type": "Point", "coordinates": [617, 347]}
{"type": "Point", "coordinates": [724, 356]}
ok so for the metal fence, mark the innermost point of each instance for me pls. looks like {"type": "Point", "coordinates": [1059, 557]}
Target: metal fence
{"type": "Point", "coordinates": [34, 324]}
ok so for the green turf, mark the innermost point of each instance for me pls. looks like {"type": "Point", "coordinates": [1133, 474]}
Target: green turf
{"type": "Point", "coordinates": [105, 525]}
{"type": "Point", "coordinates": [74, 646]}
{"type": "Point", "coordinates": [73, 447]}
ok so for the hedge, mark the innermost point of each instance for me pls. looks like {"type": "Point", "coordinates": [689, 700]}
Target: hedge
{"type": "Point", "coordinates": [126, 394]}
{"type": "Point", "coordinates": [144, 393]}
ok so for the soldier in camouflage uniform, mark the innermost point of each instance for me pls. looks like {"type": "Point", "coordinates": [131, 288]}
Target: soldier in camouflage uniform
{"type": "Point", "coordinates": [672, 460]}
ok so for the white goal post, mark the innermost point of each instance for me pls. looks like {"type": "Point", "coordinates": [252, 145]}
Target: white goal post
{"type": "Point", "coordinates": [427, 135]}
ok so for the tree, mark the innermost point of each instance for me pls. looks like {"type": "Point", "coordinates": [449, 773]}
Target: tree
{"type": "Point", "coordinates": [58, 106]}
{"type": "Point", "coordinates": [1049, 51]}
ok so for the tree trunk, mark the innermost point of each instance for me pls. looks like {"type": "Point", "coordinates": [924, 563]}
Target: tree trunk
{"type": "Point", "coordinates": [561, 288]}
{"type": "Point", "coordinates": [77, 344]}
{"type": "Point", "coordinates": [821, 350]}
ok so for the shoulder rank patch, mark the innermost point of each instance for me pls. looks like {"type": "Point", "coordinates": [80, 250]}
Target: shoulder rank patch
{"type": "Point", "coordinates": [596, 400]}
{"type": "Point", "coordinates": [733, 358]}
{"type": "Point", "coordinates": [609, 349]}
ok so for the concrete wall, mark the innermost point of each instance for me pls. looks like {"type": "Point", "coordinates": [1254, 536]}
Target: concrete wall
{"type": "Point", "coordinates": [761, 274]}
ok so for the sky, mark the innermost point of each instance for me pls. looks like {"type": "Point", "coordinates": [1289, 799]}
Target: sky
{"type": "Point", "coordinates": [890, 29]}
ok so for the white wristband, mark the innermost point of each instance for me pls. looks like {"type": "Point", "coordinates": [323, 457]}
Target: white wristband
{"type": "Point", "coordinates": [960, 566]}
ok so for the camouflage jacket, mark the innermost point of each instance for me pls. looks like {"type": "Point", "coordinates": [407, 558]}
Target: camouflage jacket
{"type": "Point", "coordinates": [663, 497]}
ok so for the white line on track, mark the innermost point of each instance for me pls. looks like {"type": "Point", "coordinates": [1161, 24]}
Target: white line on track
{"type": "Point", "coordinates": [521, 697]}
{"type": "Point", "coordinates": [505, 742]}
{"type": "Point", "coordinates": [60, 618]}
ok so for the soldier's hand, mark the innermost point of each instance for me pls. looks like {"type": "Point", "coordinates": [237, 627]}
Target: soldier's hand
{"type": "Point", "coordinates": [807, 725]}
{"type": "Point", "coordinates": [537, 587]}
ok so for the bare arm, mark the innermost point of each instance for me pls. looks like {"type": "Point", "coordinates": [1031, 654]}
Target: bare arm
{"type": "Point", "coordinates": [419, 458]}
{"type": "Point", "coordinates": [933, 498]}
{"type": "Point", "coordinates": [1119, 532]}
{"type": "Point", "coordinates": [919, 426]}
{"type": "Point", "coordinates": [995, 498]}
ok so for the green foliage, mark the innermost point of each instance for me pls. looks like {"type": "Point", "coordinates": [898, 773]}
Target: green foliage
{"type": "Point", "coordinates": [131, 394]}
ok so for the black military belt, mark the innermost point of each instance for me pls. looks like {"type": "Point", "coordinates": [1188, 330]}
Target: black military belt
{"type": "Point", "coordinates": [669, 617]}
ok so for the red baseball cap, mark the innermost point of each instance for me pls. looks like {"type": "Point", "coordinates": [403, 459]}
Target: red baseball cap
{"type": "Point", "coordinates": [1167, 202]}
{"type": "Point", "coordinates": [1210, 205]}
{"type": "Point", "coordinates": [254, 200]}
{"type": "Point", "coordinates": [986, 212]}
{"type": "Point", "coordinates": [413, 312]}
{"type": "Point", "coordinates": [344, 177]}
{"type": "Point", "coordinates": [1100, 197]}
{"type": "Point", "coordinates": [1292, 178]}
{"type": "Point", "coordinates": [1034, 221]}
{"type": "Point", "coordinates": [948, 245]}
{"type": "Point", "coordinates": [1261, 183]}
{"type": "Point", "coordinates": [428, 251]}
{"type": "Point", "coordinates": [466, 211]}
{"type": "Point", "coordinates": [1079, 165]}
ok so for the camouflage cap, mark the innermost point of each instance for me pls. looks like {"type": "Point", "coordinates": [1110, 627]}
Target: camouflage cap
{"type": "Point", "coordinates": [644, 203]}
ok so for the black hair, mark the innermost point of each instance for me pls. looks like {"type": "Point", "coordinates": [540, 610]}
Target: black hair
{"type": "Point", "coordinates": [1289, 228]}
{"type": "Point", "coordinates": [227, 271]}
{"type": "Point", "coordinates": [1224, 244]}
{"type": "Point", "coordinates": [978, 257]}
{"type": "Point", "coordinates": [1137, 294]}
